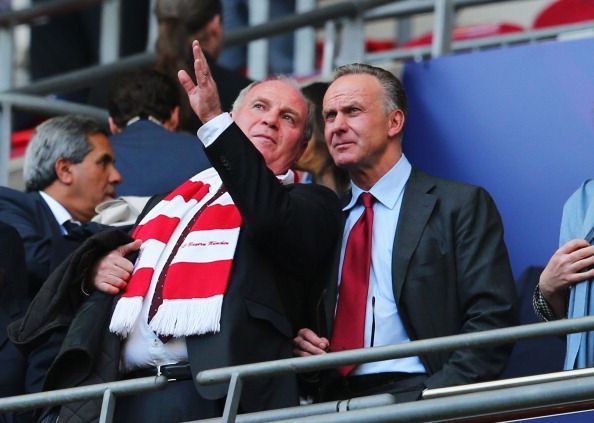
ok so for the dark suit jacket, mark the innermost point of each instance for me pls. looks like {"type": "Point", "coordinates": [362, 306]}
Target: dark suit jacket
{"type": "Point", "coordinates": [450, 275]}
{"type": "Point", "coordinates": [288, 234]}
{"type": "Point", "coordinates": [153, 160]}
{"type": "Point", "coordinates": [45, 246]}
{"type": "Point", "coordinates": [13, 303]}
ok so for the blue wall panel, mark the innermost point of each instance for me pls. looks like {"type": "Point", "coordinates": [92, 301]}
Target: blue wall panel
{"type": "Point", "coordinates": [518, 121]}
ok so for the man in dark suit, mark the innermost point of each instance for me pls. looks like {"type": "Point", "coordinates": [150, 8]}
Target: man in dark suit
{"type": "Point", "coordinates": [286, 234]}
{"type": "Point", "coordinates": [143, 117]}
{"type": "Point", "coordinates": [68, 170]}
{"type": "Point", "coordinates": [437, 262]}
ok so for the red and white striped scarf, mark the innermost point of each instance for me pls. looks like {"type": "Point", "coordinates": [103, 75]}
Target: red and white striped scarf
{"type": "Point", "coordinates": [197, 270]}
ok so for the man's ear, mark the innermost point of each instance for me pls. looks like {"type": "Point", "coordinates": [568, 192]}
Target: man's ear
{"type": "Point", "coordinates": [63, 168]}
{"type": "Point", "coordinates": [115, 129]}
{"type": "Point", "coordinates": [172, 123]}
{"type": "Point", "coordinates": [395, 123]}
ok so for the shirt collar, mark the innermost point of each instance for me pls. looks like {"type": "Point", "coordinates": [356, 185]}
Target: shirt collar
{"type": "Point", "coordinates": [58, 210]}
{"type": "Point", "coordinates": [287, 178]}
{"type": "Point", "coordinates": [388, 189]}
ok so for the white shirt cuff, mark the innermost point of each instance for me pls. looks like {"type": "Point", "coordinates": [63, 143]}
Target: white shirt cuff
{"type": "Point", "coordinates": [210, 131]}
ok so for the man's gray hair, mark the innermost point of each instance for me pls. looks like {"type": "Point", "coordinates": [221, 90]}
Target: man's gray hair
{"type": "Point", "coordinates": [309, 119]}
{"type": "Point", "coordinates": [59, 137]}
{"type": "Point", "coordinates": [395, 96]}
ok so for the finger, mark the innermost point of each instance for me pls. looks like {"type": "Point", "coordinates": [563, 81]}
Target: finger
{"type": "Point", "coordinates": [185, 81]}
{"type": "Point", "coordinates": [126, 249]}
{"type": "Point", "coordinates": [582, 253]}
{"type": "Point", "coordinates": [571, 246]}
{"type": "Point", "coordinates": [201, 68]}
{"type": "Point", "coordinates": [300, 353]}
{"type": "Point", "coordinates": [582, 264]}
{"type": "Point", "coordinates": [580, 276]}
{"type": "Point", "coordinates": [311, 337]}
{"type": "Point", "coordinates": [121, 270]}
{"type": "Point", "coordinates": [107, 288]}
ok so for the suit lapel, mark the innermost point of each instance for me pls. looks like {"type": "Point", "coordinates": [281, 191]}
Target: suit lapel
{"type": "Point", "coordinates": [417, 206]}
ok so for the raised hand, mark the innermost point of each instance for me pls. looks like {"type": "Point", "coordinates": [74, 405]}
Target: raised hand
{"type": "Point", "coordinates": [203, 96]}
{"type": "Point", "coordinates": [113, 271]}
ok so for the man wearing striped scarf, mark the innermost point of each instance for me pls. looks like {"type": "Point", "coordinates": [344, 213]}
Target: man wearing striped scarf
{"type": "Point", "coordinates": [226, 259]}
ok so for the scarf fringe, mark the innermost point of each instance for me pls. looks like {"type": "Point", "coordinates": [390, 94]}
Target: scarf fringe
{"type": "Point", "coordinates": [185, 317]}
{"type": "Point", "coordinates": [124, 315]}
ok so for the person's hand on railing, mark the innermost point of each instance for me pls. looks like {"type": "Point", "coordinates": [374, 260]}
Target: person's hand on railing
{"type": "Point", "coordinates": [571, 263]}
{"type": "Point", "coordinates": [203, 96]}
{"type": "Point", "coordinates": [113, 271]}
{"type": "Point", "coordinates": [307, 343]}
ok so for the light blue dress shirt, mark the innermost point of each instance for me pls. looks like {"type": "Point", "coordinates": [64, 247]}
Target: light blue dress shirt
{"type": "Point", "coordinates": [381, 306]}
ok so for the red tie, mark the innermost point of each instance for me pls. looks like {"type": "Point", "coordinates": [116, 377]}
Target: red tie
{"type": "Point", "coordinates": [349, 324]}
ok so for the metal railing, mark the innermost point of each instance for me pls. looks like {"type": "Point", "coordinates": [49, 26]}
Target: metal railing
{"type": "Point", "coordinates": [235, 375]}
{"type": "Point", "coordinates": [515, 396]}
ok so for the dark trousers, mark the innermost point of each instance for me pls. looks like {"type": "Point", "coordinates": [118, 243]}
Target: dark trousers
{"type": "Point", "coordinates": [178, 402]}
{"type": "Point", "coordinates": [404, 387]}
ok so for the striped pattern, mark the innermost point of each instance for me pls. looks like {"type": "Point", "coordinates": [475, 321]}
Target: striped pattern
{"type": "Point", "coordinates": [196, 278]}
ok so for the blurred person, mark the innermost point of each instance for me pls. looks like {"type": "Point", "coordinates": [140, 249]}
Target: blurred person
{"type": "Point", "coordinates": [316, 164]}
{"type": "Point", "coordinates": [565, 285]}
{"type": "Point", "coordinates": [181, 22]}
{"type": "Point", "coordinates": [421, 257]}
{"type": "Point", "coordinates": [225, 263]}
{"type": "Point", "coordinates": [143, 116]}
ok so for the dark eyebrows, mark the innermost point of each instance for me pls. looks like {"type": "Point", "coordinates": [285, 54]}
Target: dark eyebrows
{"type": "Point", "coordinates": [105, 159]}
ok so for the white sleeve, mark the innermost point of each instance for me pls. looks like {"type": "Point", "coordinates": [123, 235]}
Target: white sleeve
{"type": "Point", "coordinates": [210, 131]}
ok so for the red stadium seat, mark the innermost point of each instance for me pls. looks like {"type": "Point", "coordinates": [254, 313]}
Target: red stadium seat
{"type": "Point", "coordinates": [469, 32]}
{"type": "Point", "coordinates": [19, 142]}
{"type": "Point", "coordinates": [564, 12]}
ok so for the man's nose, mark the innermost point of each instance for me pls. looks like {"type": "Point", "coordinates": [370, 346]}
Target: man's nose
{"type": "Point", "coordinates": [339, 123]}
{"type": "Point", "coordinates": [271, 119]}
{"type": "Point", "coordinates": [115, 176]}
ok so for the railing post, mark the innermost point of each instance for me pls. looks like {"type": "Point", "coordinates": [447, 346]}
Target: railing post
{"type": "Point", "coordinates": [329, 48]}
{"type": "Point", "coordinates": [443, 25]}
{"type": "Point", "coordinates": [232, 402]}
{"type": "Point", "coordinates": [6, 57]}
{"type": "Point", "coordinates": [257, 60]}
{"type": "Point", "coordinates": [109, 44]}
{"type": "Point", "coordinates": [5, 139]}
{"type": "Point", "coordinates": [352, 42]}
{"type": "Point", "coordinates": [107, 407]}
{"type": "Point", "coordinates": [305, 43]}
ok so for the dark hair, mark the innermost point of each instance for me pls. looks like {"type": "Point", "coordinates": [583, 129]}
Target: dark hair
{"type": "Point", "coordinates": [395, 97]}
{"type": "Point", "coordinates": [142, 93]}
{"type": "Point", "coordinates": [59, 137]}
{"type": "Point", "coordinates": [180, 22]}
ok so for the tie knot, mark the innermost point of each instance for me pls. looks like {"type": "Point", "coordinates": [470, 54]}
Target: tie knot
{"type": "Point", "coordinates": [367, 199]}
{"type": "Point", "coordinates": [77, 231]}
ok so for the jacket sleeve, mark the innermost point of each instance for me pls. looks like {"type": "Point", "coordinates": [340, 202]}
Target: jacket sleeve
{"type": "Point", "coordinates": [301, 220]}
